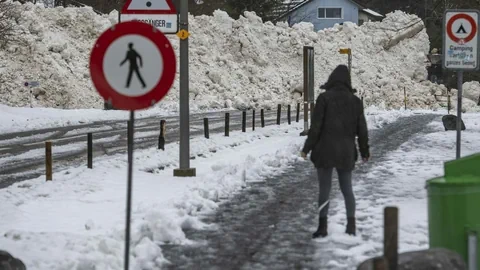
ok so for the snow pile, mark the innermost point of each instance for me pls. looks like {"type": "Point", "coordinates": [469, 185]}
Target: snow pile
{"type": "Point", "coordinates": [240, 63]}
{"type": "Point", "coordinates": [471, 90]}
{"type": "Point", "coordinates": [471, 97]}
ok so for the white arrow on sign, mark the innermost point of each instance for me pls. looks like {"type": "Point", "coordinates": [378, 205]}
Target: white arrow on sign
{"type": "Point", "coordinates": [159, 13]}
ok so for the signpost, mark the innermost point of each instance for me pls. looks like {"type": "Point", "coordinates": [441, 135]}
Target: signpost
{"type": "Point", "coordinates": [460, 51]}
{"type": "Point", "coordinates": [308, 85]}
{"type": "Point", "coordinates": [184, 170]}
{"type": "Point", "coordinates": [133, 66]}
{"type": "Point", "coordinates": [159, 13]}
{"type": "Point", "coordinates": [349, 52]}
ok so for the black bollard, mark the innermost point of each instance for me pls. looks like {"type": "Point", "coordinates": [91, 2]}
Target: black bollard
{"type": "Point", "coordinates": [279, 113]}
{"type": "Point", "coordinates": [262, 118]}
{"type": "Point", "coordinates": [89, 150]}
{"type": "Point", "coordinates": [288, 114]}
{"type": "Point", "coordinates": [244, 121]}
{"type": "Point", "coordinates": [298, 112]}
{"type": "Point", "coordinates": [253, 120]}
{"type": "Point", "coordinates": [205, 127]}
{"type": "Point", "coordinates": [227, 124]}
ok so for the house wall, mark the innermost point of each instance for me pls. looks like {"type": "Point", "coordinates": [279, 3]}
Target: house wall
{"type": "Point", "coordinates": [309, 13]}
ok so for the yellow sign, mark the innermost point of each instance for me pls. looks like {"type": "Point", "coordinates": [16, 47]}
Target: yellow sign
{"type": "Point", "coordinates": [345, 51]}
{"type": "Point", "coordinates": [183, 34]}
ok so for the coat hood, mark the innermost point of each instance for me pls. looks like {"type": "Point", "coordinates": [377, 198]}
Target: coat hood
{"type": "Point", "coordinates": [339, 76]}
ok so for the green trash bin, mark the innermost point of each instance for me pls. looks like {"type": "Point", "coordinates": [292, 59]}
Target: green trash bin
{"type": "Point", "coordinates": [454, 206]}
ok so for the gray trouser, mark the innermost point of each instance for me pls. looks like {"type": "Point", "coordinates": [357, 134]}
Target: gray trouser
{"type": "Point", "coordinates": [325, 182]}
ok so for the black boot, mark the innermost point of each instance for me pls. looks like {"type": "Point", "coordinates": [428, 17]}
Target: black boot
{"type": "Point", "coordinates": [322, 228]}
{"type": "Point", "coordinates": [351, 228]}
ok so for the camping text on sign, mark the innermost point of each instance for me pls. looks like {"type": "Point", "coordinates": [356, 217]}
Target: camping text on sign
{"type": "Point", "coordinates": [132, 65]}
{"type": "Point", "coordinates": [461, 38]}
{"type": "Point", "coordinates": [159, 13]}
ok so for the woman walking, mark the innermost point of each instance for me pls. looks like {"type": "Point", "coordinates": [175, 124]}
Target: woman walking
{"type": "Point", "coordinates": [338, 119]}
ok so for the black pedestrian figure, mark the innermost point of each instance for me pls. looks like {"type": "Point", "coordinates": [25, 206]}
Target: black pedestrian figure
{"type": "Point", "coordinates": [132, 56]}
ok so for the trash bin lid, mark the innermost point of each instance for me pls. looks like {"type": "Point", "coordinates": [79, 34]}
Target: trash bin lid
{"type": "Point", "coordinates": [466, 169]}
{"type": "Point", "coordinates": [464, 181]}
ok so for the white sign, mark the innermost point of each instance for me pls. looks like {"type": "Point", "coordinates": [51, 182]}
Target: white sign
{"type": "Point", "coordinates": [460, 40]}
{"type": "Point", "coordinates": [159, 13]}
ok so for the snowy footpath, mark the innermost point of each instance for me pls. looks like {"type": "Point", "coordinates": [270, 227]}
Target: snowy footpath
{"type": "Point", "coordinates": [395, 179]}
{"type": "Point", "coordinates": [77, 220]}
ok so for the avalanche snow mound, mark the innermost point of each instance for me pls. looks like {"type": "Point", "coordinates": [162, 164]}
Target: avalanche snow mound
{"type": "Point", "coordinates": [242, 63]}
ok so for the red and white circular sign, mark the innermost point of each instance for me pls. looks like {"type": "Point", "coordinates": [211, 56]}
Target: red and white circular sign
{"type": "Point", "coordinates": [132, 65]}
{"type": "Point", "coordinates": [462, 28]}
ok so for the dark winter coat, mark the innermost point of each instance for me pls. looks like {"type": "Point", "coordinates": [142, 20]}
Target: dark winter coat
{"type": "Point", "coordinates": [337, 119]}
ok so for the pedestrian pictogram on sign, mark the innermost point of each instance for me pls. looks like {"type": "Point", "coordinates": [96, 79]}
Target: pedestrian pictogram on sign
{"type": "Point", "coordinates": [159, 13]}
{"type": "Point", "coordinates": [132, 65]}
{"type": "Point", "coordinates": [132, 56]}
{"type": "Point", "coordinates": [461, 38]}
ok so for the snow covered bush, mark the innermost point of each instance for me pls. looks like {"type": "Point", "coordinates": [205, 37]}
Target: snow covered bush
{"type": "Point", "coordinates": [242, 63]}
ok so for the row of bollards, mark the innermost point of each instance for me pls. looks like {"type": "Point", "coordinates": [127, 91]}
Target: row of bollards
{"type": "Point", "coordinates": [262, 119]}
{"type": "Point", "coordinates": [161, 137]}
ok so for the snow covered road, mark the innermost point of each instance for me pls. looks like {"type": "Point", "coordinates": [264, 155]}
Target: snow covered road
{"type": "Point", "coordinates": [22, 153]}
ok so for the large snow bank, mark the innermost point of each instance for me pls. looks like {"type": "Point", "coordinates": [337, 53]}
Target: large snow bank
{"type": "Point", "coordinates": [233, 63]}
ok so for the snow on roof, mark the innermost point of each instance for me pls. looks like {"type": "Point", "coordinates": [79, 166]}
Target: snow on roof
{"type": "Point", "coordinates": [371, 12]}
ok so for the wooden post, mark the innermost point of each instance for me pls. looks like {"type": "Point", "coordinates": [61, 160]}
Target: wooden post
{"type": "Point", "coordinates": [279, 113]}
{"type": "Point", "coordinates": [253, 120]}
{"type": "Point", "coordinates": [262, 117]}
{"type": "Point", "coordinates": [289, 114]}
{"type": "Point", "coordinates": [390, 237]}
{"type": "Point", "coordinates": [380, 263]}
{"type": "Point", "coordinates": [298, 112]}
{"type": "Point", "coordinates": [205, 127]}
{"type": "Point", "coordinates": [161, 137]}
{"type": "Point", "coordinates": [227, 124]}
{"type": "Point", "coordinates": [244, 121]}
{"type": "Point", "coordinates": [90, 150]}
{"type": "Point", "coordinates": [48, 160]}
{"type": "Point", "coordinates": [405, 94]}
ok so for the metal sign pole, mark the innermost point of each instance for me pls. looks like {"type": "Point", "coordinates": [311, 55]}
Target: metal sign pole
{"type": "Point", "coordinates": [311, 80]}
{"type": "Point", "coordinates": [184, 99]}
{"type": "Point", "coordinates": [350, 61]}
{"type": "Point", "coordinates": [184, 169]}
{"type": "Point", "coordinates": [459, 111]}
{"type": "Point", "coordinates": [130, 130]}
{"type": "Point", "coordinates": [305, 91]}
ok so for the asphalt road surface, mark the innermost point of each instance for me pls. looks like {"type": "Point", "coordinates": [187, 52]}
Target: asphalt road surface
{"type": "Point", "coordinates": [22, 154]}
{"type": "Point", "coordinates": [269, 224]}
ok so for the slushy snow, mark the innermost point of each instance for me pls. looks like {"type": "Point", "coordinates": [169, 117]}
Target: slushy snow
{"type": "Point", "coordinates": [239, 64]}
{"type": "Point", "coordinates": [77, 220]}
